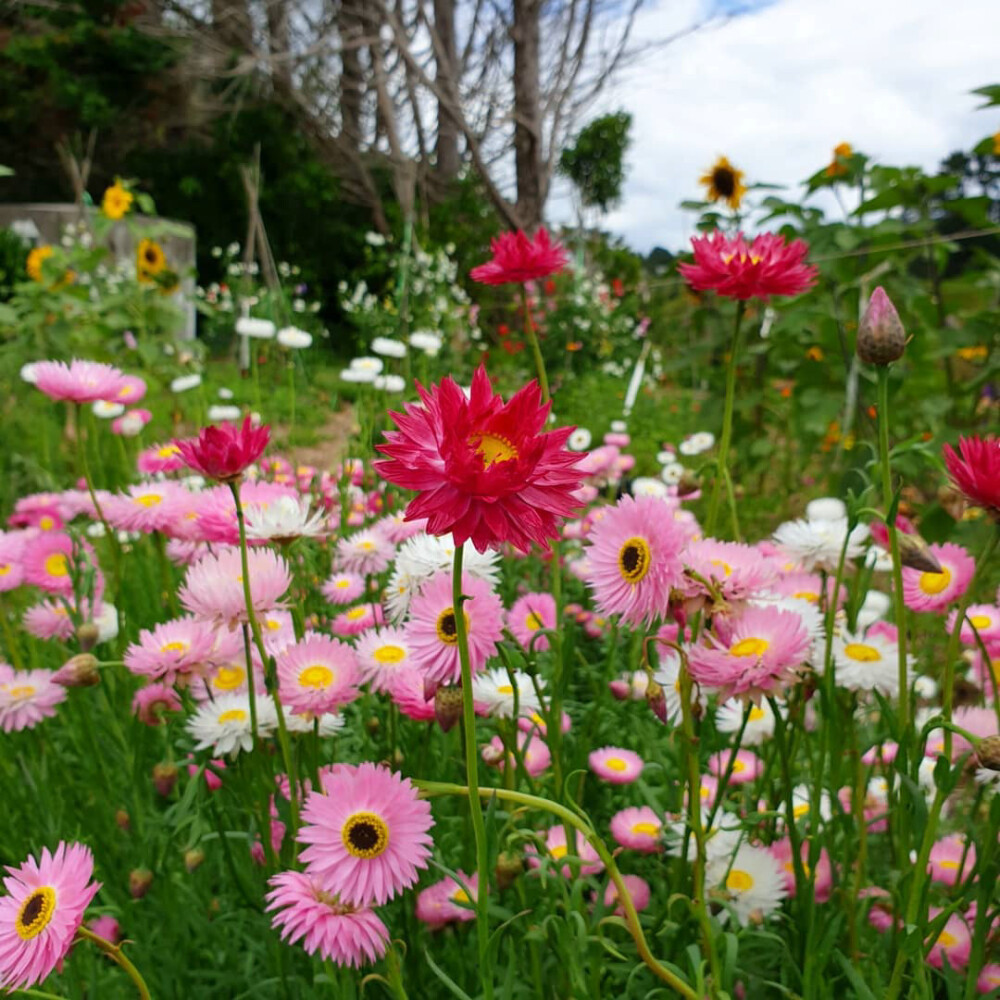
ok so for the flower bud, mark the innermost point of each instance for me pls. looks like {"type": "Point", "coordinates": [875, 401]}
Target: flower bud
{"type": "Point", "coordinates": [105, 927]}
{"type": "Point", "coordinates": [988, 752]}
{"type": "Point", "coordinates": [78, 671]}
{"type": "Point", "coordinates": [881, 337]}
{"type": "Point", "coordinates": [139, 881]}
{"type": "Point", "coordinates": [193, 859]}
{"type": "Point", "coordinates": [509, 866]}
{"type": "Point", "coordinates": [657, 700]}
{"type": "Point", "coordinates": [87, 635]}
{"type": "Point", "coordinates": [122, 820]}
{"type": "Point", "coordinates": [916, 554]}
{"type": "Point", "coordinates": [447, 706]}
{"type": "Point", "coordinates": [164, 778]}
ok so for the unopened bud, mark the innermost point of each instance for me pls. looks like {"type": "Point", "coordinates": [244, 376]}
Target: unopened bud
{"type": "Point", "coordinates": [509, 866]}
{"type": "Point", "coordinates": [139, 881]}
{"type": "Point", "coordinates": [881, 337]}
{"type": "Point", "coordinates": [688, 484]}
{"type": "Point", "coordinates": [915, 553]}
{"type": "Point", "coordinates": [656, 700]}
{"type": "Point", "coordinates": [447, 706]}
{"type": "Point", "coordinates": [492, 755]}
{"type": "Point", "coordinates": [87, 636]}
{"type": "Point", "coordinates": [164, 778]}
{"type": "Point", "coordinates": [988, 752]}
{"type": "Point", "coordinates": [78, 671]}
{"type": "Point", "coordinates": [372, 725]}
{"type": "Point", "coordinates": [193, 859]}
{"type": "Point", "coordinates": [122, 820]}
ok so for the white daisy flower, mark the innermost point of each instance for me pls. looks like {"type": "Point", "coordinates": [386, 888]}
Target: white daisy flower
{"type": "Point", "coordinates": [330, 723]}
{"type": "Point", "coordinates": [668, 676]}
{"type": "Point", "coordinates": [826, 509]}
{"type": "Point", "coordinates": [390, 383]}
{"type": "Point", "coordinates": [283, 518]}
{"type": "Point", "coordinates": [249, 326]}
{"type": "Point", "coordinates": [867, 663]}
{"type": "Point", "coordinates": [294, 338]}
{"type": "Point", "coordinates": [753, 882]}
{"type": "Point", "coordinates": [925, 687]}
{"type": "Point", "coordinates": [106, 621]}
{"type": "Point", "coordinates": [357, 375]}
{"type": "Point", "coordinates": [107, 410]}
{"type": "Point", "coordinates": [646, 486]}
{"type": "Point", "coordinates": [802, 805]}
{"type": "Point", "coordinates": [494, 689]}
{"type": "Point", "coordinates": [760, 725]}
{"type": "Point", "coordinates": [618, 426]}
{"type": "Point", "coordinates": [672, 474]}
{"type": "Point", "coordinates": [29, 372]}
{"type": "Point", "coordinates": [220, 413]}
{"type": "Point", "coordinates": [224, 725]}
{"type": "Point", "coordinates": [424, 340]}
{"type": "Point", "coordinates": [225, 393]}
{"type": "Point", "coordinates": [697, 443]}
{"type": "Point", "coordinates": [817, 544]}
{"type": "Point", "coordinates": [370, 365]}
{"type": "Point", "coordinates": [184, 382]}
{"type": "Point", "coordinates": [388, 347]}
{"type": "Point", "coordinates": [579, 440]}
{"type": "Point", "coordinates": [874, 607]}
{"type": "Point", "coordinates": [666, 457]}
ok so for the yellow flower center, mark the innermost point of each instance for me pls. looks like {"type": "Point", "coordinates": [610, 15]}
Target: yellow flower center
{"type": "Point", "coordinates": [739, 881]}
{"type": "Point", "coordinates": [46, 523]}
{"type": "Point", "coordinates": [148, 500]}
{"type": "Point", "coordinates": [493, 448]}
{"type": "Point", "coordinates": [460, 896]}
{"type": "Point", "coordinates": [316, 676]}
{"type": "Point", "coordinates": [756, 714]}
{"type": "Point", "coordinates": [35, 913]}
{"type": "Point", "coordinates": [56, 565]}
{"type": "Point", "coordinates": [233, 715]}
{"type": "Point", "coordinates": [750, 646]}
{"type": "Point", "coordinates": [724, 566]}
{"type": "Point", "coordinates": [949, 864]}
{"type": "Point", "coordinates": [389, 654]}
{"type": "Point", "coordinates": [800, 810]}
{"type": "Point", "coordinates": [21, 691]}
{"type": "Point", "coordinates": [947, 940]}
{"type": "Point", "coordinates": [647, 828]}
{"type": "Point", "coordinates": [229, 678]}
{"type": "Point", "coordinates": [355, 613]}
{"type": "Point", "coordinates": [615, 764]}
{"type": "Point", "coordinates": [862, 653]}
{"type": "Point", "coordinates": [505, 689]}
{"type": "Point", "coordinates": [447, 627]}
{"type": "Point", "coordinates": [342, 584]}
{"type": "Point", "coordinates": [167, 451]}
{"type": "Point", "coordinates": [558, 851]}
{"type": "Point", "coordinates": [175, 647]}
{"type": "Point", "coordinates": [365, 835]}
{"type": "Point", "coordinates": [807, 595]}
{"type": "Point", "coordinates": [532, 621]}
{"type": "Point", "coordinates": [367, 546]}
{"type": "Point", "coordinates": [738, 766]}
{"type": "Point", "coordinates": [977, 621]}
{"type": "Point", "coordinates": [634, 559]}
{"type": "Point", "coordinates": [272, 625]}
{"type": "Point", "coordinates": [934, 583]}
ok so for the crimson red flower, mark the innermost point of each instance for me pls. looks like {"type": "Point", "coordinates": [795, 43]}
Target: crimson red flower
{"type": "Point", "coordinates": [519, 259]}
{"type": "Point", "coordinates": [766, 267]}
{"type": "Point", "coordinates": [223, 451]}
{"type": "Point", "coordinates": [483, 469]}
{"type": "Point", "coordinates": [975, 470]}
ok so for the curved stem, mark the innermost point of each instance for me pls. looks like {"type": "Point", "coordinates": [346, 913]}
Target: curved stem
{"type": "Point", "coordinates": [433, 788]}
{"type": "Point", "coordinates": [472, 775]}
{"type": "Point", "coordinates": [722, 468]}
{"type": "Point", "coordinates": [529, 332]}
{"type": "Point", "coordinates": [118, 957]}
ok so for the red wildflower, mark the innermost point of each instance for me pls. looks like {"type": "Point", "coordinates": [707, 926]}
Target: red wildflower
{"type": "Point", "coordinates": [223, 451]}
{"type": "Point", "coordinates": [519, 259]}
{"type": "Point", "coordinates": [618, 287]}
{"type": "Point", "coordinates": [975, 470]}
{"type": "Point", "coordinates": [766, 267]}
{"type": "Point", "coordinates": [483, 469]}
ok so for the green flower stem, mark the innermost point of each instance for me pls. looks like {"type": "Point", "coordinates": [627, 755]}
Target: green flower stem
{"type": "Point", "coordinates": [930, 830]}
{"type": "Point", "coordinates": [258, 638]}
{"type": "Point", "coordinates": [536, 351]}
{"type": "Point", "coordinates": [118, 957]}
{"type": "Point", "coordinates": [722, 467]}
{"type": "Point", "coordinates": [13, 647]}
{"type": "Point", "coordinates": [570, 818]}
{"type": "Point", "coordinates": [472, 777]}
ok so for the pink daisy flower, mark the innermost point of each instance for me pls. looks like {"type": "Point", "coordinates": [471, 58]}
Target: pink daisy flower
{"type": "Point", "coordinates": [106, 927]}
{"type": "Point", "coordinates": [152, 702]}
{"type": "Point", "coordinates": [213, 587]}
{"type": "Point", "coordinates": [634, 553]}
{"type": "Point", "coordinates": [949, 855]}
{"type": "Point", "coordinates": [615, 765]}
{"type": "Point", "coordinates": [146, 507]}
{"type": "Point", "coordinates": [42, 911]}
{"type": "Point", "coordinates": [304, 910]}
{"type": "Point", "coordinates": [27, 697]}
{"type": "Point", "coordinates": [49, 620]}
{"type": "Point", "coordinates": [527, 615]}
{"type": "Point", "coordinates": [368, 835]}
{"type": "Point", "coordinates": [737, 570]}
{"type": "Point", "coordinates": [781, 850]}
{"type": "Point", "coordinates": [989, 978]}
{"type": "Point", "coordinates": [229, 677]}
{"type": "Point", "coordinates": [317, 675]}
{"type": "Point", "coordinates": [954, 943]}
{"type": "Point", "coordinates": [985, 618]}
{"type": "Point", "coordinates": [171, 649]}
{"type": "Point", "coordinates": [747, 766]}
{"type": "Point", "coordinates": [448, 901]}
{"type": "Point", "coordinates": [50, 562]}
{"type": "Point", "coordinates": [343, 588]}
{"type": "Point", "coordinates": [518, 258]}
{"type": "Point", "coordinates": [589, 862]}
{"type": "Point", "coordinates": [935, 591]}
{"type": "Point", "coordinates": [534, 753]}
{"type": "Point", "coordinates": [358, 619]}
{"type": "Point", "coordinates": [164, 457]}
{"type": "Point", "coordinates": [132, 391]}
{"type": "Point", "coordinates": [397, 529]}
{"type": "Point", "coordinates": [759, 652]}
{"type": "Point", "coordinates": [432, 631]}
{"type": "Point", "coordinates": [365, 552]}
{"type": "Point", "coordinates": [638, 889]}
{"type": "Point", "coordinates": [881, 753]}
{"type": "Point", "coordinates": [381, 654]}
{"type": "Point", "coordinates": [406, 688]}
{"type": "Point", "coordinates": [11, 567]}
{"type": "Point", "coordinates": [638, 828]}
{"type": "Point", "coordinates": [131, 422]}
{"type": "Point", "coordinates": [79, 381]}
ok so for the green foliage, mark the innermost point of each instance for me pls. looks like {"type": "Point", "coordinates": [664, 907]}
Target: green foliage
{"type": "Point", "coordinates": [595, 162]}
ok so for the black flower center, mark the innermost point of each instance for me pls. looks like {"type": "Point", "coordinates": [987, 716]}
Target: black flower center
{"type": "Point", "coordinates": [724, 181]}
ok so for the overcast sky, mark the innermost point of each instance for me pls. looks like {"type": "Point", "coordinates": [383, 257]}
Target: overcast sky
{"type": "Point", "coordinates": [776, 87]}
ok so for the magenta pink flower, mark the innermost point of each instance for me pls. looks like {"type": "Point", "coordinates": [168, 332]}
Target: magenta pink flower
{"type": "Point", "coordinates": [518, 259]}
{"type": "Point", "coordinates": [381, 654]}
{"type": "Point", "coordinates": [317, 675]}
{"type": "Point", "coordinates": [146, 507]}
{"type": "Point", "coordinates": [634, 557]}
{"type": "Point", "coordinates": [952, 859]}
{"type": "Point", "coordinates": [358, 619]}
{"type": "Point", "coordinates": [638, 889]}
{"type": "Point", "coordinates": [152, 702]}
{"type": "Point", "coordinates": [79, 381]}
{"type": "Point", "coordinates": [588, 861]}
{"type": "Point", "coordinates": [172, 649]}
{"type": "Point", "coordinates": [364, 552]}
{"type": "Point", "coordinates": [50, 562]}
{"type": "Point", "coordinates": [106, 927]}
{"type": "Point", "coordinates": [448, 901]}
{"type": "Point", "coordinates": [534, 752]}
{"type": "Point", "coordinates": [736, 571]}
{"type": "Point", "coordinates": [953, 943]}
{"type": "Point", "coordinates": [615, 765]}
{"type": "Point", "coordinates": [49, 620]}
{"type": "Point", "coordinates": [639, 829]}
{"type": "Point", "coordinates": [368, 835]}
{"type": "Point", "coordinates": [304, 910]}
{"type": "Point", "coordinates": [42, 911]}
{"type": "Point", "coordinates": [935, 591]}
{"type": "Point", "coordinates": [756, 653]}
{"type": "Point", "coordinates": [746, 766]}
{"type": "Point", "coordinates": [27, 697]}
{"type": "Point", "coordinates": [731, 268]}
{"type": "Point", "coordinates": [822, 873]}
{"type": "Point", "coordinates": [406, 688]}
{"type": "Point", "coordinates": [528, 615]}
{"type": "Point", "coordinates": [223, 451]}
{"type": "Point", "coordinates": [165, 457]}
{"type": "Point", "coordinates": [483, 469]}
{"type": "Point", "coordinates": [343, 588]}
{"type": "Point", "coordinates": [975, 470]}
{"type": "Point", "coordinates": [132, 391]}
{"type": "Point", "coordinates": [432, 630]}
{"type": "Point", "coordinates": [213, 587]}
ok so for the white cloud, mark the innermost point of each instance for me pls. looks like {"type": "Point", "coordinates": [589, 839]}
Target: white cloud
{"type": "Point", "coordinates": [777, 89]}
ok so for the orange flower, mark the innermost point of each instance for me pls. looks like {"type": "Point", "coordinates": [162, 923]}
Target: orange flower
{"type": "Point", "coordinates": [574, 345]}
{"type": "Point", "coordinates": [815, 353]}
{"type": "Point", "coordinates": [838, 168]}
{"type": "Point", "coordinates": [36, 258]}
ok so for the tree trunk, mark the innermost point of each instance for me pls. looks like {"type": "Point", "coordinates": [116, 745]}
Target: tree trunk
{"type": "Point", "coordinates": [446, 151]}
{"type": "Point", "coordinates": [352, 80]}
{"type": "Point", "coordinates": [278, 42]}
{"type": "Point", "coordinates": [231, 20]}
{"type": "Point", "coordinates": [527, 112]}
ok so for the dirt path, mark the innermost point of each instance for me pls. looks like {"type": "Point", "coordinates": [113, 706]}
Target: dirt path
{"type": "Point", "coordinates": [331, 445]}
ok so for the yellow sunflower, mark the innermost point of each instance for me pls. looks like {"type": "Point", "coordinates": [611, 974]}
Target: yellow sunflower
{"type": "Point", "coordinates": [838, 168]}
{"type": "Point", "coordinates": [33, 265]}
{"type": "Point", "coordinates": [117, 201]}
{"type": "Point", "coordinates": [724, 183]}
{"type": "Point", "coordinates": [996, 143]}
{"type": "Point", "coordinates": [150, 260]}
